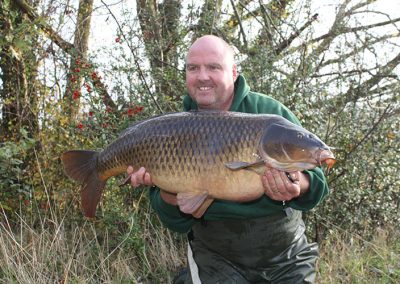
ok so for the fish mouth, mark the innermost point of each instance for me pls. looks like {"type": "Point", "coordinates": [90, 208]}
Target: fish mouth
{"type": "Point", "coordinates": [325, 156]}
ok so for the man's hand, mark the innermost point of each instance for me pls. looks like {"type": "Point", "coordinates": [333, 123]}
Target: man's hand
{"type": "Point", "coordinates": [279, 187]}
{"type": "Point", "coordinates": [141, 176]}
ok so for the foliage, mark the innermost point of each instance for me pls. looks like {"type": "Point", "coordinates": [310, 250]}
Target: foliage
{"type": "Point", "coordinates": [13, 189]}
{"type": "Point", "coordinates": [365, 187]}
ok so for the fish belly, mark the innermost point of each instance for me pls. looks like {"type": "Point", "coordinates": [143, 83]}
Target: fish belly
{"type": "Point", "coordinates": [240, 186]}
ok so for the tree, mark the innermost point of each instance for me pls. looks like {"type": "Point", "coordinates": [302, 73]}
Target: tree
{"type": "Point", "coordinates": [19, 65]}
{"type": "Point", "coordinates": [158, 23]}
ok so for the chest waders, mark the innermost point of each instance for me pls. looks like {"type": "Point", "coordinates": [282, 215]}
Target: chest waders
{"type": "Point", "coordinates": [270, 249]}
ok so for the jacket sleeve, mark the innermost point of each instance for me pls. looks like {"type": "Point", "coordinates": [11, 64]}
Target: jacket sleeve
{"type": "Point", "coordinates": [170, 215]}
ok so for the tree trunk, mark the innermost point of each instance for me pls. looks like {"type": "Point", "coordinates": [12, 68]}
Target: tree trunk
{"type": "Point", "coordinates": [159, 23]}
{"type": "Point", "coordinates": [19, 70]}
{"type": "Point", "coordinates": [75, 77]}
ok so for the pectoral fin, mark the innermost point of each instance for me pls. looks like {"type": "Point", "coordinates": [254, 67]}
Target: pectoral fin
{"type": "Point", "coordinates": [257, 166]}
{"type": "Point", "coordinates": [190, 202]}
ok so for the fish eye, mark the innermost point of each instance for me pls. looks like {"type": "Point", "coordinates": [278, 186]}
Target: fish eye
{"type": "Point", "coordinates": [300, 135]}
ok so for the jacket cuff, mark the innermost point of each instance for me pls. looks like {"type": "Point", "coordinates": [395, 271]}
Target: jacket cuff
{"type": "Point", "coordinates": [317, 192]}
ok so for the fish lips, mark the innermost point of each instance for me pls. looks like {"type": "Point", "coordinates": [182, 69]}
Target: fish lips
{"type": "Point", "coordinates": [325, 156]}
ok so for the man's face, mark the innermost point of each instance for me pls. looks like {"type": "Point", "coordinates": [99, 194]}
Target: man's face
{"type": "Point", "coordinates": [210, 74]}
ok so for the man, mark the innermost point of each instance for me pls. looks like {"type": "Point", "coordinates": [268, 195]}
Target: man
{"type": "Point", "coordinates": [261, 241]}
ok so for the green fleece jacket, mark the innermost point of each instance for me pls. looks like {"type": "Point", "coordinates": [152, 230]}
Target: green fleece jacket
{"type": "Point", "coordinates": [248, 102]}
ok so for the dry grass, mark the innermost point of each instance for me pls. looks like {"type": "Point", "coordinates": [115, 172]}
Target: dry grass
{"type": "Point", "coordinates": [349, 258]}
{"type": "Point", "coordinates": [48, 248]}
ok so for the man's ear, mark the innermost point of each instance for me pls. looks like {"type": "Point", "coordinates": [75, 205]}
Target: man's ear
{"type": "Point", "coordinates": [234, 72]}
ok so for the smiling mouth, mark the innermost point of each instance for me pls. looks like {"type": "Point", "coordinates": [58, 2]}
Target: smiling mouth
{"type": "Point", "coordinates": [205, 88]}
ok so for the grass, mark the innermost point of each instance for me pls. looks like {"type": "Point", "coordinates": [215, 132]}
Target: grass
{"type": "Point", "coordinates": [52, 248]}
{"type": "Point", "coordinates": [349, 258]}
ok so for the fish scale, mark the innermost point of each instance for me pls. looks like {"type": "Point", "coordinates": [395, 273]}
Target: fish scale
{"type": "Point", "coordinates": [210, 154]}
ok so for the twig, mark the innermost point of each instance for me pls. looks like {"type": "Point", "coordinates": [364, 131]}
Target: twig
{"type": "Point", "coordinates": [352, 30]}
{"type": "Point", "coordinates": [141, 74]}
{"type": "Point", "coordinates": [362, 140]}
{"type": "Point", "coordinates": [285, 43]}
{"type": "Point", "coordinates": [240, 23]}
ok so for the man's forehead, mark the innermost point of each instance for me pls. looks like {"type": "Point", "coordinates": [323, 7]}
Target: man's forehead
{"type": "Point", "coordinates": [206, 56]}
{"type": "Point", "coordinates": [210, 60]}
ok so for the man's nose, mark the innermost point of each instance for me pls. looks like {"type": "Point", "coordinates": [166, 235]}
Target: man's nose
{"type": "Point", "coordinates": [203, 74]}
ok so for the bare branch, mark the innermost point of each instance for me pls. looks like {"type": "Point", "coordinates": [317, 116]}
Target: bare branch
{"type": "Point", "coordinates": [56, 38]}
{"type": "Point", "coordinates": [285, 43]}
{"type": "Point", "coordinates": [141, 74]}
{"type": "Point", "coordinates": [354, 94]}
{"type": "Point", "coordinates": [343, 30]}
{"type": "Point", "coordinates": [240, 23]}
{"type": "Point", "coordinates": [365, 45]}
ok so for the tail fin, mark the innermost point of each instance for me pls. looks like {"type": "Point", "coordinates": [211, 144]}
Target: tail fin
{"type": "Point", "coordinates": [80, 165]}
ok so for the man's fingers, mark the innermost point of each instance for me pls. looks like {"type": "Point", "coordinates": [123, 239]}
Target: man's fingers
{"type": "Point", "coordinates": [147, 179]}
{"type": "Point", "coordinates": [271, 189]}
{"type": "Point", "coordinates": [134, 180]}
{"type": "Point", "coordinates": [136, 177]}
{"type": "Point", "coordinates": [279, 187]}
{"type": "Point", "coordinates": [129, 170]}
{"type": "Point", "coordinates": [280, 181]}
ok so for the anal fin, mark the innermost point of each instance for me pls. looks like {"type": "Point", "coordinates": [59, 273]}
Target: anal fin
{"type": "Point", "coordinates": [190, 202]}
{"type": "Point", "coordinates": [203, 208]}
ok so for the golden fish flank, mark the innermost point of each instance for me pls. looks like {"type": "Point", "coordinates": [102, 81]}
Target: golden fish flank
{"type": "Point", "coordinates": [201, 156]}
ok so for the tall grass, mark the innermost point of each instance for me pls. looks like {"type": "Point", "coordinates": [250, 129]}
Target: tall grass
{"type": "Point", "coordinates": [53, 248]}
{"type": "Point", "coordinates": [351, 258]}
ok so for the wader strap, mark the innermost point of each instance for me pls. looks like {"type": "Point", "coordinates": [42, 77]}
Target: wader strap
{"type": "Point", "coordinates": [194, 270]}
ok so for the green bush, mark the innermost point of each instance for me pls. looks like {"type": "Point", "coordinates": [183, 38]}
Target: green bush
{"type": "Point", "coordinates": [15, 185]}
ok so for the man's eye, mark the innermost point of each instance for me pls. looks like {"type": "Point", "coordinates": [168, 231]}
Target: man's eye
{"type": "Point", "coordinates": [213, 67]}
{"type": "Point", "coordinates": [191, 68]}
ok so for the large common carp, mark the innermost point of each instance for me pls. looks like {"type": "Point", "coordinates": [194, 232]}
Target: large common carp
{"type": "Point", "coordinates": [201, 156]}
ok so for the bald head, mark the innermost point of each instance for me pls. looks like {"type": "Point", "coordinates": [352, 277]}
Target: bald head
{"type": "Point", "coordinates": [215, 43]}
